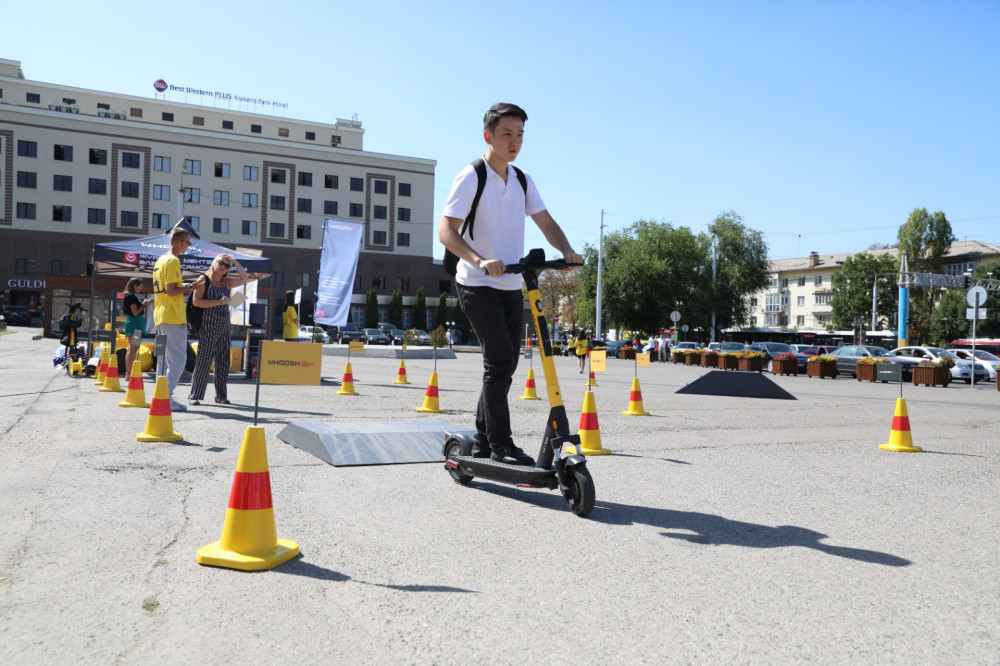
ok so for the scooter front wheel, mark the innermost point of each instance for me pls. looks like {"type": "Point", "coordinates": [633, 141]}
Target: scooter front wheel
{"type": "Point", "coordinates": [455, 448]}
{"type": "Point", "coordinates": [579, 493]}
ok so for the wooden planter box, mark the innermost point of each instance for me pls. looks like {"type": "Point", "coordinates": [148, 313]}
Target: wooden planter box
{"type": "Point", "coordinates": [628, 353]}
{"type": "Point", "coordinates": [677, 358]}
{"type": "Point", "coordinates": [931, 376]}
{"type": "Point", "coordinates": [729, 363]}
{"type": "Point", "coordinates": [785, 366]}
{"type": "Point", "coordinates": [867, 372]}
{"type": "Point", "coordinates": [692, 359]}
{"type": "Point", "coordinates": [751, 364]}
{"type": "Point", "coordinates": [822, 369]}
{"type": "Point", "coordinates": [709, 360]}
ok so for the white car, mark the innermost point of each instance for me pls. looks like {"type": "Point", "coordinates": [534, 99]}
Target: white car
{"type": "Point", "coordinates": [984, 359]}
{"type": "Point", "coordinates": [961, 371]}
{"type": "Point", "coordinates": [306, 333]}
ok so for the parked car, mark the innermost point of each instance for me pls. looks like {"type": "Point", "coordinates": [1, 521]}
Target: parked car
{"type": "Point", "coordinates": [686, 345]}
{"type": "Point", "coordinates": [614, 348]}
{"type": "Point", "coordinates": [962, 369]}
{"type": "Point", "coordinates": [731, 347]}
{"type": "Point", "coordinates": [714, 346]}
{"type": "Point", "coordinates": [395, 335]}
{"type": "Point", "coordinates": [17, 314]}
{"type": "Point", "coordinates": [990, 362]}
{"type": "Point", "coordinates": [423, 337]}
{"type": "Point", "coordinates": [311, 334]}
{"type": "Point", "coordinates": [346, 333]}
{"type": "Point", "coordinates": [848, 355]}
{"type": "Point", "coordinates": [814, 350]}
{"type": "Point", "coordinates": [373, 336]}
{"type": "Point", "coordinates": [772, 349]}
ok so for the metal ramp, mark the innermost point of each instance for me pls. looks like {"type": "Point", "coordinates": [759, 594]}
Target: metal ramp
{"type": "Point", "coordinates": [372, 443]}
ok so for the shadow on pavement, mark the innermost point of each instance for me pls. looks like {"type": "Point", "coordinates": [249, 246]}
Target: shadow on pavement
{"type": "Point", "coordinates": [299, 567]}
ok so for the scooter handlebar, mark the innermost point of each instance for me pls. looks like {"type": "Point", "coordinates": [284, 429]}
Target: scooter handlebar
{"type": "Point", "coordinates": [521, 266]}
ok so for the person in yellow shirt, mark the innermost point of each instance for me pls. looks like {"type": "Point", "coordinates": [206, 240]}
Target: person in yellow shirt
{"type": "Point", "coordinates": [290, 319]}
{"type": "Point", "coordinates": [169, 313]}
{"type": "Point", "coordinates": [581, 346]}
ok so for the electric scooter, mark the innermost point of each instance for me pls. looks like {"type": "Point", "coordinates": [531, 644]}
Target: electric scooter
{"type": "Point", "coordinates": [552, 470]}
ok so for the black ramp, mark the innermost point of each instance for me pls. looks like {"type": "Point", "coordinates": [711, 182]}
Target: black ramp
{"type": "Point", "coordinates": [737, 385]}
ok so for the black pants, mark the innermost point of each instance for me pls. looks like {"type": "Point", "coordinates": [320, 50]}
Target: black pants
{"type": "Point", "coordinates": [496, 317]}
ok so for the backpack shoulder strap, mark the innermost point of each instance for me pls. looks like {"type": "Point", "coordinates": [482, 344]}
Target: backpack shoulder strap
{"type": "Point", "coordinates": [521, 178]}
{"type": "Point", "coordinates": [480, 167]}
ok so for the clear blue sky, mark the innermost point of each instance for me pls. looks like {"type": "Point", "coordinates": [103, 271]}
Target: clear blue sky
{"type": "Point", "coordinates": [822, 123]}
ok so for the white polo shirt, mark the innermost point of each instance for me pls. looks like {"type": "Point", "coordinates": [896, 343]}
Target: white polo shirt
{"type": "Point", "coordinates": [498, 231]}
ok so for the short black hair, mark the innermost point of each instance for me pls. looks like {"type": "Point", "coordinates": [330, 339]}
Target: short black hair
{"type": "Point", "coordinates": [502, 110]}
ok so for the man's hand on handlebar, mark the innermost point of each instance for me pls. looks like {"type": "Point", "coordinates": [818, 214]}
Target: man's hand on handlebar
{"type": "Point", "coordinates": [573, 259]}
{"type": "Point", "coordinates": [493, 267]}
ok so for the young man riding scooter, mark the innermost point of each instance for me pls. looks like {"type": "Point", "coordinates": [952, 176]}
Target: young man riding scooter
{"type": "Point", "coordinates": [491, 300]}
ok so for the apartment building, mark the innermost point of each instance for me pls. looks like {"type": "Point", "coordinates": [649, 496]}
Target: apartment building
{"type": "Point", "coordinates": [79, 167]}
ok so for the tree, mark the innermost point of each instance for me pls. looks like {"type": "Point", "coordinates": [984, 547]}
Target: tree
{"type": "Point", "coordinates": [441, 316]}
{"type": "Point", "coordinates": [743, 270]}
{"type": "Point", "coordinates": [926, 239]}
{"type": "Point", "coordinates": [420, 309]}
{"type": "Point", "coordinates": [559, 291]}
{"type": "Point", "coordinates": [396, 309]}
{"type": "Point", "coordinates": [371, 309]}
{"type": "Point", "coordinates": [852, 284]}
{"type": "Point", "coordinates": [948, 321]}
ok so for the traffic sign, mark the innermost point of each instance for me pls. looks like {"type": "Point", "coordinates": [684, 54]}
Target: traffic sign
{"type": "Point", "coordinates": [975, 297]}
{"type": "Point", "coordinates": [684, 328]}
{"type": "Point", "coordinates": [970, 313]}
{"type": "Point", "coordinates": [675, 316]}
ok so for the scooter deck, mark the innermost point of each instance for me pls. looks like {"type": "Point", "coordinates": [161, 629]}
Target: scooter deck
{"type": "Point", "coordinates": [516, 474]}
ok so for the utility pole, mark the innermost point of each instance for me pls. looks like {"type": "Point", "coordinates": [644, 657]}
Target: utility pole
{"type": "Point", "coordinates": [711, 336]}
{"type": "Point", "coordinates": [600, 269]}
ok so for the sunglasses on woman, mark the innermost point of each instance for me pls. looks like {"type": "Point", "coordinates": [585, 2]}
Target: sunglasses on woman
{"type": "Point", "coordinates": [225, 265]}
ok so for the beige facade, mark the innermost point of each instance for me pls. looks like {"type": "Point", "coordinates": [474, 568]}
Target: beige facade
{"type": "Point", "coordinates": [83, 166]}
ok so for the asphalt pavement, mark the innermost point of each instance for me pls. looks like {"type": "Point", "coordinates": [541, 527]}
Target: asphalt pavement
{"type": "Point", "coordinates": [726, 530]}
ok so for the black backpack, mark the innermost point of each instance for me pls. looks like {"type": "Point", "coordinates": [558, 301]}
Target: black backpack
{"type": "Point", "coordinates": [450, 258]}
{"type": "Point", "coordinates": [194, 313]}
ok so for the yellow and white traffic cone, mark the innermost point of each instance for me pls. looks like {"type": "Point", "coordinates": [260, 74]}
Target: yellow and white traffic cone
{"type": "Point", "coordinates": [401, 375]}
{"type": "Point", "coordinates": [592, 380]}
{"type": "Point", "coordinates": [431, 397]}
{"type": "Point", "coordinates": [111, 383]}
{"type": "Point", "coordinates": [102, 365]}
{"type": "Point", "coordinates": [347, 385]}
{"type": "Point", "coordinates": [249, 538]}
{"type": "Point", "coordinates": [530, 392]}
{"type": "Point", "coordinates": [899, 436]}
{"type": "Point", "coordinates": [160, 422]}
{"type": "Point", "coordinates": [136, 394]}
{"type": "Point", "coordinates": [635, 407]}
{"type": "Point", "coordinates": [590, 429]}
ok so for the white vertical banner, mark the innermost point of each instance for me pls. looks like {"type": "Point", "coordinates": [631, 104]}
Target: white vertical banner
{"type": "Point", "coordinates": [337, 266]}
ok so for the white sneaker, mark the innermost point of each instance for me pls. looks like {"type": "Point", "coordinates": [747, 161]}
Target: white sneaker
{"type": "Point", "coordinates": [176, 406]}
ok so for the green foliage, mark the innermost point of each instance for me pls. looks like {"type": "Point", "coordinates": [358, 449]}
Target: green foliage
{"type": "Point", "coordinates": [396, 309]}
{"type": "Point", "coordinates": [948, 321]}
{"type": "Point", "coordinates": [420, 309]}
{"type": "Point", "coordinates": [439, 337]}
{"type": "Point", "coordinates": [371, 309]}
{"type": "Point", "coordinates": [441, 316]}
{"type": "Point", "coordinates": [852, 298]}
{"type": "Point", "coordinates": [926, 239]}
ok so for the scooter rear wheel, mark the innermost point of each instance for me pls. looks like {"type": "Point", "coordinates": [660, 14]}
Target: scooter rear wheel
{"type": "Point", "coordinates": [456, 449]}
{"type": "Point", "coordinates": [580, 495]}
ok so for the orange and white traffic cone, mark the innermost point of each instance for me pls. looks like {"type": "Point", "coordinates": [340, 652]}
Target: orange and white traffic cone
{"type": "Point", "coordinates": [899, 436]}
{"type": "Point", "coordinates": [347, 385]}
{"type": "Point", "coordinates": [401, 375]}
{"type": "Point", "coordinates": [160, 422]}
{"type": "Point", "coordinates": [249, 539]}
{"type": "Point", "coordinates": [136, 394]}
{"type": "Point", "coordinates": [111, 383]}
{"type": "Point", "coordinates": [102, 365]}
{"type": "Point", "coordinates": [590, 430]}
{"type": "Point", "coordinates": [592, 380]}
{"type": "Point", "coordinates": [530, 392]}
{"type": "Point", "coordinates": [431, 397]}
{"type": "Point", "coordinates": [635, 407]}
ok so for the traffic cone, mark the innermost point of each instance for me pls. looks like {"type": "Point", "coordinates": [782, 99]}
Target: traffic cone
{"type": "Point", "coordinates": [401, 375]}
{"type": "Point", "coordinates": [249, 539]}
{"type": "Point", "coordinates": [899, 436]}
{"type": "Point", "coordinates": [102, 365]}
{"type": "Point", "coordinates": [159, 423]}
{"type": "Point", "coordinates": [635, 407]}
{"type": "Point", "coordinates": [111, 383]}
{"type": "Point", "coordinates": [347, 385]}
{"type": "Point", "coordinates": [592, 380]}
{"type": "Point", "coordinates": [529, 387]}
{"type": "Point", "coordinates": [590, 430]}
{"type": "Point", "coordinates": [431, 397]}
{"type": "Point", "coordinates": [136, 394]}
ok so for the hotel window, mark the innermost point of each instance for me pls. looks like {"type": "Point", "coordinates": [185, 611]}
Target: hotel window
{"type": "Point", "coordinates": [403, 239]}
{"type": "Point", "coordinates": [221, 170]}
{"type": "Point", "coordinates": [98, 156]}
{"type": "Point", "coordinates": [192, 167]}
{"type": "Point", "coordinates": [249, 227]}
{"type": "Point", "coordinates": [276, 230]}
{"type": "Point", "coordinates": [135, 112]}
{"type": "Point", "coordinates": [329, 207]}
{"type": "Point", "coordinates": [98, 216]}
{"type": "Point", "coordinates": [278, 176]}
{"type": "Point", "coordinates": [27, 179]}
{"type": "Point", "coordinates": [403, 214]}
{"type": "Point", "coordinates": [249, 200]}
{"type": "Point", "coordinates": [282, 131]}
{"type": "Point", "coordinates": [251, 173]}
{"type": "Point", "coordinates": [357, 210]}
{"type": "Point", "coordinates": [304, 206]}
{"type": "Point", "coordinates": [161, 164]}
{"type": "Point", "coordinates": [378, 283]}
{"type": "Point", "coordinates": [220, 225]}
{"type": "Point", "coordinates": [129, 218]}
{"type": "Point", "coordinates": [62, 183]}
{"type": "Point", "coordinates": [403, 284]}
{"type": "Point", "coordinates": [167, 117]}
{"type": "Point", "coordinates": [357, 185]}
{"type": "Point", "coordinates": [161, 192]}
{"type": "Point", "coordinates": [800, 320]}
{"type": "Point", "coordinates": [198, 121]}
{"type": "Point", "coordinates": [331, 182]}
{"type": "Point", "coordinates": [381, 187]}
{"type": "Point", "coordinates": [62, 153]}
{"type": "Point", "coordinates": [221, 198]}
{"type": "Point", "coordinates": [24, 267]}
{"type": "Point", "coordinates": [60, 267]}
{"type": "Point", "coordinates": [255, 129]}
{"type": "Point", "coordinates": [379, 238]}
{"type": "Point", "coordinates": [303, 231]}
{"type": "Point", "coordinates": [310, 136]}
{"type": "Point", "coordinates": [130, 190]}
{"type": "Point", "coordinates": [819, 280]}
{"type": "Point", "coordinates": [33, 98]}
{"type": "Point", "coordinates": [227, 124]}
{"type": "Point", "coordinates": [800, 300]}
{"type": "Point", "coordinates": [380, 213]}
{"type": "Point", "coordinates": [160, 221]}
{"type": "Point", "coordinates": [130, 160]}
{"type": "Point", "coordinates": [305, 179]}
{"type": "Point", "coordinates": [277, 203]}
{"type": "Point", "coordinates": [62, 213]}
{"type": "Point", "coordinates": [97, 186]}
{"type": "Point", "coordinates": [192, 194]}
{"type": "Point", "coordinates": [404, 189]}
{"type": "Point", "coordinates": [802, 282]}
{"type": "Point", "coordinates": [27, 149]}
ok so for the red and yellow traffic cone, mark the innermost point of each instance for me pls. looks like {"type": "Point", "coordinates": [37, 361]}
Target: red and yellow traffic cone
{"type": "Point", "coordinates": [635, 407]}
{"type": "Point", "coordinates": [431, 397]}
{"type": "Point", "coordinates": [159, 423]}
{"type": "Point", "coordinates": [102, 365]}
{"type": "Point", "coordinates": [136, 394]}
{"type": "Point", "coordinates": [899, 436]}
{"type": "Point", "coordinates": [249, 539]}
{"type": "Point", "coordinates": [111, 383]}
{"type": "Point", "coordinates": [347, 385]}
{"type": "Point", "coordinates": [530, 393]}
{"type": "Point", "coordinates": [592, 380]}
{"type": "Point", "coordinates": [401, 375]}
{"type": "Point", "coordinates": [590, 430]}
